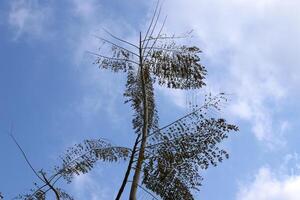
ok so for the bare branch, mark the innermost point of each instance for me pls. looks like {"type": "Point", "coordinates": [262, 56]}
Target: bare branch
{"type": "Point", "coordinates": [25, 157]}
{"type": "Point", "coordinates": [154, 26]}
{"type": "Point", "coordinates": [51, 186]}
{"type": "Point", "coordinates": [119, 59]}
{"type": "Point", "coordinates": [166, 38]}
{"type": "Point", "coordinates": [152, 19]}
{"type": "Point", "coordinates": [117, 38]}
{"type": "Point", "coordinates": [153, 29]}
{"type": "Point", "coordinates": [38, 189]}
{"type": "Point", "coordinates": [156, 39]}
{"type": "Point", "coordinates": [105, 40]}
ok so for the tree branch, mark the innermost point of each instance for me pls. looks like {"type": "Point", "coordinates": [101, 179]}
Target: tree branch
{"type": "Point", "coordinates": [154, 26]}
{"type": "Point", "coordinates": [105, 40]}
{"type": "Point", "coordinates": [24, 155]}
{"type": "Point", "coordinates": [117, 38]}
{"type": "Point", "coordinates": [151, 21]}
{"type": "Point", "coordinates": [189, 114]}
{"type": "Point", "coordinates": [144, 57]}
{"type": "Point", "coordinates": [119, 59]}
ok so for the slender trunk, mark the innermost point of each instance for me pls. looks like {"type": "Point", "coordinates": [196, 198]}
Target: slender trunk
{"type": "Point", "coordinates": [137, 172]}
{"type": "Point", "coordinates": [128, 169]}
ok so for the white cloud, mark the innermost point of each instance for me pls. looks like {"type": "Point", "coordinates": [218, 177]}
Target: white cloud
{"type": "Point", "coordinates": [29, 18]}
{"type": "Point", "coordinates": [267, 186]}
{"type": "Point", "coordinates": [251, 50]}
{"type": "Point", "coordinates": [274, 184]}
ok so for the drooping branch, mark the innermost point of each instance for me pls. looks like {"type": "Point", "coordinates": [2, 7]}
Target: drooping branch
{"type": "Point", "coordinates": [82, 157]}
{"type": "Point", "coordinates": [174, 153]}
{"type": "Point", "coordinates": [210, 102]}
{"type": "Point", "coordinates": [78, 159]}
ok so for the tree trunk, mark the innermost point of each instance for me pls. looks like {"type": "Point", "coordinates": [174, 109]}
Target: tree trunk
{"type": "Point", "coordinates": [137, 172]}
{"type": "Point", "coordinates": [128, 169]}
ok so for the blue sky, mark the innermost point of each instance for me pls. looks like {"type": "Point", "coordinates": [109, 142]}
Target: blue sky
{"type": "Point", "coordinates": [55, 96]}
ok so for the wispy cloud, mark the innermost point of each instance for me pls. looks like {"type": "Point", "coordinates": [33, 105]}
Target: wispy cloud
{"type": "Point", "coordinates": [28, 17]}
{"type": "Point", "coordinates": [86, 187]}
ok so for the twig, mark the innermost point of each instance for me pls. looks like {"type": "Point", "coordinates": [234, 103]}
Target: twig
{"type": "Point", "coordinates": [24, 155]}
{"type": "Point", "coordinates": [119, 59]}
{"type": "Point", "coordinates": [151, 21]}
{"type": "Point", "coordinates": [105, 40]}
{"type": "Point", "coordinates": [120, 39]}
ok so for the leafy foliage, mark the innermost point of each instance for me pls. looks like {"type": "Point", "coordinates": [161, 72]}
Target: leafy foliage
{"type": "Point", "coordinates": [133, 94]}
{"type": "Point", "coordinates": [82, 157]}
{"type": "Point", "coordinates": [175, 155]}
{"type": "Point", "coordinates": [176, 66]}
{"type": "Point", "coordinates": [120, 60]}
{"type": "Point", "coordinates": [63, 195]}
{"type": "Point", "coordinates": [40, 194]}
{"type": "Point", "coordinates": [77, 160]}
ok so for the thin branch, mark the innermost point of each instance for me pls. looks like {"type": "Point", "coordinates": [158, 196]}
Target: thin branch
{"type": "Point", "coordinates": [189, 114]}
{"type": "Point", "coordinates": [151, 21]}
{"type": "Point", "coordinates": [162, 49]}
{"type": "Point", "coordinates": [117, 38]}
{"type": "Point", "coordinates": [156, 39]}
{"type": "Point", "coordinates": [105, 40]}
{"type": "Point", "coordinates": [38, 189]}
{"type": "Point", "coordinates": [119, 59]}
{"type": "Point", "coordinates": [24, 155]}
{"type": "Point", "coordinates": [153, 29]}
{"type": "Point", "coordinates": [160, 143]}
{"type": "Point", "coordinates": [57, 179]}
{"type": "Point", "coordinates": [166, 38]}
{"type": "Point", "coordinates": [51, 186]}
{"type": "Point", "coordinates": [47, 184]}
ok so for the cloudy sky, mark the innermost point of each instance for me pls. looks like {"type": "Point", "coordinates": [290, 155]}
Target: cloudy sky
{"type": "Point", "coordinates": [55, 97]}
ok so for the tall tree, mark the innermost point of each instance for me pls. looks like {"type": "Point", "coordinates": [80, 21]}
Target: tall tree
{"type": "Point", "coordinates": [166, 160]}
